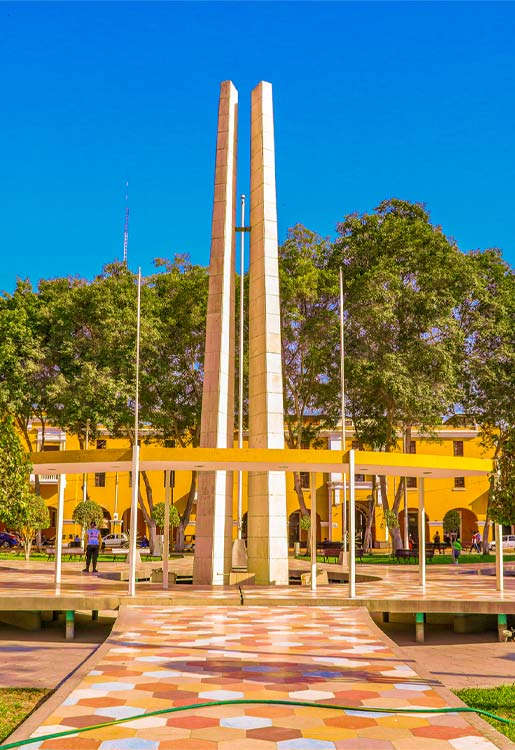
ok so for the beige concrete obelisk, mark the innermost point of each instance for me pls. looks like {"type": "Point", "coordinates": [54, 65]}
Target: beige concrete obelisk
{"type": "Point", "coordinates": [213, 533]}
{"type": "Point", "coordinates": [267, 531]}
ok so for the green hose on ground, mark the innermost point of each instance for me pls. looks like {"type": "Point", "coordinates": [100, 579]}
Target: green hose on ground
{"type": "Point", "coordinates": [242, 701]}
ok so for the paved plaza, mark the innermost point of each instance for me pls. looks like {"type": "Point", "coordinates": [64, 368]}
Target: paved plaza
{"type": "Point", "coordinates": [396, 587]}
{"type": "Point", "coordinates": [195, 644]}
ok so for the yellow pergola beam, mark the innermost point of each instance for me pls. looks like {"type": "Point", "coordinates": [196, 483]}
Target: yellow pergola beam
{"type": "Point", "coordinates": [255, 459]}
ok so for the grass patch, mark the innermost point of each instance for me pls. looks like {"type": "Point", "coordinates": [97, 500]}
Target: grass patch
{"type": "Point", "coordinates": [498, 700]}
{"type": "Point", "coordinates": [15, 705]}
{"type": "Point", "coordinates": [386, 559]}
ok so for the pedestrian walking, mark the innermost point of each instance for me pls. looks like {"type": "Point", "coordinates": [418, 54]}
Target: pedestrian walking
{"type": "Point", "coordinates": [93, 545]}
{"type": "Point", "coordinates": [456, 550]}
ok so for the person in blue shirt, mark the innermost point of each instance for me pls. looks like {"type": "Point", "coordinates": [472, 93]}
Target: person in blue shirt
{"type": "Point", "coordinates": [93, 539]}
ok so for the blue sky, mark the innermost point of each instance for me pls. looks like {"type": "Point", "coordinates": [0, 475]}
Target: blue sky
{"type": "Point", "coordinates": [372, 100]}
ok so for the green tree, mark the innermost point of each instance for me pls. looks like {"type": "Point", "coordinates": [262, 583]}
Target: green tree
{"type": "Point", "coordinates": [310, 341]}
{"type": "Point", "coordinates": [451, 522]}
{"type": "Point", "coordinates": [158, 514]}
{"type": "Point", "coordinates": [18, 503]}
{"type": "Point", "coordinates": [488, 316]}
{"type": "Point", "coordinates": [403, 338]}
{"type": "Point", "coordinates": [29, 518]}
{"type": "Point", "coordinates": [86, 512]}
{"type": "Point", "coordinates": [173, 371]}
{"type": "Point", "coordinates": [27, 367]}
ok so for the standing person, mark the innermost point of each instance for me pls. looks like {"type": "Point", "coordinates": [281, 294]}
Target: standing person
{"type": "Point", "coordinates": [456, 550]}
{"type": "Point", "coordinates": [474, 545]}
{"type": "Point", "coordinates": [437, 542]}
{"type": "Point", "coordinates": [92, 548]}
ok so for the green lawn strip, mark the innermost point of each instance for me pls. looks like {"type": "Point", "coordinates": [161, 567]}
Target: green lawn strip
{"type": "Point", "coordinates": [15, 705]}
{"type": "Point", "coordinates": [13, 556]}
{"type": "Point", "coordinates": [499, 700]}
{"type": "Point", "coordinates": [437, 559]}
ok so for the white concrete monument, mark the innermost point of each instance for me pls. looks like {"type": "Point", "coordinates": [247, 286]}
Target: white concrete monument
{"type": "Point", "coordinates": [267, 543]}
{"type": "Point", "coordinates": [213, 532]}
{"type": "Point", "coordinates": [267, 528]}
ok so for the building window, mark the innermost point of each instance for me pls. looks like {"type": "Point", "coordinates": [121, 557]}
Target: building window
{"type": "Point", "coordinates": [459, 483]}
{"type": "Point", "coordinates": [457, 447]}
{"type": "Point", "coordinates": [412, 446]}
{"type": "Point", "coordinates": [304, 480]}
{"type": "Point", "coordinates": [100, 479]}
{"type": "Point", "coordinates": [169, 442]}
{"type": "Point", "coordinates": [359, 477]}
{"type": "Point", "coordinates": [130, 478]}
{"type": "Point", "coordinates": [101, 445]}
{"type": "Point", "coordinates": [411, 483]}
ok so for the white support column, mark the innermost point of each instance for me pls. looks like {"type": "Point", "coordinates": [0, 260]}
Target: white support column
{"type": "Point", "coordinates": [134, 520]}
{"type": "Point", "coordinates": [59, 531]}
{"type": "Point", "coordinates": [421, 533]}
{"type": "Point", "coordinates": [313, 530]}
{"type": "Point", "coordinates": [499, 559]}
{"type": "Point", "coordinates": [166, 540]}
{"type": "Point", "coordinates": [352, 527]}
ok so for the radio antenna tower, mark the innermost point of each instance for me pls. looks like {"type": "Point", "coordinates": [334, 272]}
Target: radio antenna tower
{"type": "Point", "coordinates": [126, 225]}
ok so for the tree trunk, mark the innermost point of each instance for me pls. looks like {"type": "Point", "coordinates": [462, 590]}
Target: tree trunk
{"type": "Point", "coordinates": [367, 539]}
{"type": "Point", "coordinates": [485, 541]}
{"type": "Point", "coordinates": [147, 511]}
{"type": "Point", "coordinates": [185, 518]}
{"type": "Point", "coordinates": [300, 494]}
{"type": "Point", "coordinates": [304, 512]}
{"type": "Point", "coordinates": [395, 532]}
{"type": "Point", "coordinates": [152, 533]}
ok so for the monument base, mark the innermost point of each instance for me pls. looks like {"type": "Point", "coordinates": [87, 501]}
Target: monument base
{"type": "Point", "coordinates": [239, 555]}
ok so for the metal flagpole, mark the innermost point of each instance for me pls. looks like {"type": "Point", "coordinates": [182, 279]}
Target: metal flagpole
{"type": "Point", "coordinates": [85, 476]}
{"type": "Point", "coordinates": [344, 444]}
{"type": "Point", "coordinates": [405, 492]}
{"type": "Point", "coordinates": [135, 458]}
{"type": "Point", "coordinates": [240, 392]}
{"type": "Point", "coordinates": [59, 532]}
{"type": "Point", "coordinates": [421, 533]}
{"type": "Point", "coordinates": [352, 528]}
{"type": "Point", "coordinates": [313, 530]}
{"type": "Point", "coordinates": [166, 540]}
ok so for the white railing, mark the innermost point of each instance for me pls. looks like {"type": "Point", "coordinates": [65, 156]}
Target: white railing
{"type": "Point", "coordinates": [45, 478]}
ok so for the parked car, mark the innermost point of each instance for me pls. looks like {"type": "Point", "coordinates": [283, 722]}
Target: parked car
{"type": "Point", "coordinates": [8, 540]}
{"type": "Point", "coordinates": [508, 542]}
{"type": "Point", "coordinates": [189, 543]}
{"type": "Point", "coordinates": [115, 540]}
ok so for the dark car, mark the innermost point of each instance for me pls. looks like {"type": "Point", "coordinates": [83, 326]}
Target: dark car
{"type": "Point", "coordinates": [8, 540]}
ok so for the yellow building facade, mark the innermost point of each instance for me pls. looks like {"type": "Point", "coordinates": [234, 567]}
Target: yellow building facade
{"type": "Point", "coordinates": [468, 496]}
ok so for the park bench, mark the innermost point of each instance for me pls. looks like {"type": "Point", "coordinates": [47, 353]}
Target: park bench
{"type": "Point", "coordinates": [121, 553]}
{"type": "Point", "coordinates": [69, 552]}
{"type": "Point", "coordinates": [407, 555]}
{"type": "Point", "coordinates": [333, 552]}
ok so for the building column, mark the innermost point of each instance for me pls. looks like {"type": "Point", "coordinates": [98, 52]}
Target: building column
{"type": "Point", "coordinates": [267, 531]}
{"type": "Point", "coordinates": [213, 534]}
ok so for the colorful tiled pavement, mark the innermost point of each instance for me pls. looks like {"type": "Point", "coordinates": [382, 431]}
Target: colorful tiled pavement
{"type": "Point", "coordinates": [159, 657]}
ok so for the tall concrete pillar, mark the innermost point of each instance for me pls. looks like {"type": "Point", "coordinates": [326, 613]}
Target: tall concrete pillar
{"type": "Point", "coordinates": [213, 534]}
{"type": "Point", "coordinates": [267, 528]}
